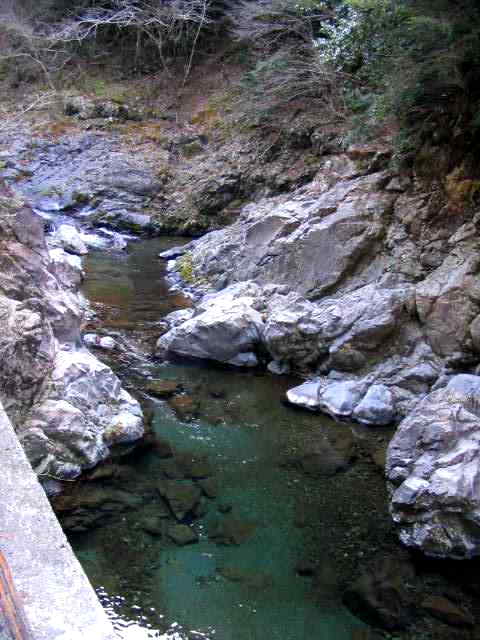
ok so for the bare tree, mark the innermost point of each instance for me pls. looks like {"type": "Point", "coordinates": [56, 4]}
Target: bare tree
{"type": "Point", "coordinates": [270, 23]}
{"type": "Point", "coordinates": [173, 27]}
{"type": "Point", "coordinates": [19, 41]}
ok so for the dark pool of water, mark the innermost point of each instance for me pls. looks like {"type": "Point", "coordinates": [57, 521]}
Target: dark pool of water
{"type": "Point", "coordinates": [155, 589]}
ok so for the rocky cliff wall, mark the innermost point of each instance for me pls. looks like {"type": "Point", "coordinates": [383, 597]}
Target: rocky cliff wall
{"type": "Point", "coordinates": [367, 284]}
{"type": "Point", "coordinates": [67, 407]}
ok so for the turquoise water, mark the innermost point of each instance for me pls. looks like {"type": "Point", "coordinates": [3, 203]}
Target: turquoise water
{"type": "Point", "coordinates": [155, 589]}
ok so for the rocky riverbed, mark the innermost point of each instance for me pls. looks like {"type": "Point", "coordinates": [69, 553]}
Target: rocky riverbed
{"type": "Point", "coordinates": [367, 286]}
{"type": "Point", "coordinates": [231, 480]}
{"type": "Point", "coordinates": [348, 290]}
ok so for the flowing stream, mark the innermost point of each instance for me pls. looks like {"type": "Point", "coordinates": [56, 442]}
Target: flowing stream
{"type": "Point", "coordinates": [278, 542]}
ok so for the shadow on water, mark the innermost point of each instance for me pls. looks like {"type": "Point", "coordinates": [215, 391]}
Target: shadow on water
{"type": "Point", "coordinates": [274, 538]}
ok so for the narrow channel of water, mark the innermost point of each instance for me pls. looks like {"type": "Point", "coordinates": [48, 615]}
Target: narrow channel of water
{"type": "Point", "coordinates": [298, 532]}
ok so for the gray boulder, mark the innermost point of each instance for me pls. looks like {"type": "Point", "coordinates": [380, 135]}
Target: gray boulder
{"type": "Point", "coordinates": [359, 400]}
{"type": "Point", "coordinates": [377, 407]}
{"type": "Point", "coordinates": [84, 410]}
{"type": "Point", "coordinates": [306, 395]}
{"type": "Point", "coordinates": [340, 399]}
{"type": "Point", "coordinates": [343, 331]}
{"type": "Point", "coordinates": [67, 407]}
{"type": "Point", "coordinates": [68, 238]}
{"type": "Point", "coordinates": [434, 471]}
{"type": "Point", "coordinates": [225, 328]}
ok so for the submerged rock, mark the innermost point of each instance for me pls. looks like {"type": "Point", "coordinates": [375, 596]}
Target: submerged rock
{"type": "Point", "coordinates": [186, 407]}
{"type": "Point", "coordinates": [181, 497]}
{"type": "Point", "coordinates": [253, 579]}
{"type": "Point", "coordinates": [382, 594]}
{"type": "Point", "coordinates": [445, 610]}
{"type": "Point", "coordinates": [163, 388]}
{"type": "Point", "coordinates": [231, 530]}
{"type": "Point", "coordinates": [182, 534]}
{"type": "Point", "coordinates": [209, 487]}
{"type": "Point", "coordinates": [433, 465]}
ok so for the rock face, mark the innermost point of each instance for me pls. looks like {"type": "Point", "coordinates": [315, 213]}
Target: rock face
{"type": "Point", "coordinates": [433, 466]}
{"type": "Point", "coordinates": [370, 288]}
{"type": "Point", "coordinates": [306, 243]}
{"type": "Point", "coordinates": [67, 407]}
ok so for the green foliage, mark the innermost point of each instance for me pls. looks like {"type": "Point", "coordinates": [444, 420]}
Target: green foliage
{"type": "Point", "coordinates": [185, 268]}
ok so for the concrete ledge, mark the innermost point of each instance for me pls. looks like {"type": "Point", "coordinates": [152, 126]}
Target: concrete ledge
{"type": "Point", "coordinates": [59, 602]}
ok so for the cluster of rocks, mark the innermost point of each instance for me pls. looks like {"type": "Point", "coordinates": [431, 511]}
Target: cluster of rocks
{"type": "Point", "coordinates": [390, 594]}
{"type": "Point", "coordinates": [140, 173]}
{"type": "Point", "coordinates": [369, 287]}
{"type": "Point", "coordinates": [166, 508]}
{"type": "Point", "coordinates": [68, 408]}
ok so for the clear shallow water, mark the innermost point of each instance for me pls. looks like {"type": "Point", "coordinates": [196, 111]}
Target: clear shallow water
{"type": "Point", "coordinates": [154, 589]}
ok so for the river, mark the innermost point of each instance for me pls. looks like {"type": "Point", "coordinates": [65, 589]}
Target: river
{"type": "Point", "coordinates": [280, 540]}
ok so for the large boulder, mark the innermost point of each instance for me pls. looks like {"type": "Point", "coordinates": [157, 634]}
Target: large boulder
{"type": "Point", "coordinates": [433, 466]}
{"type": "Point", "coordinates": [308, 244]}
{"type": "Point", "coordinates": [344, 332]}
{"type": "Point", "coordinates": [371, 404]}
{"type": "Point", "coordinates": [225, 328]}
{"type": "Point", "coordinates": [377, 407]}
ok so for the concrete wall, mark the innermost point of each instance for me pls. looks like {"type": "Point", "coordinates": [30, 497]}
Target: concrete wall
{"type": "Point", "coordinates": [59, 602]}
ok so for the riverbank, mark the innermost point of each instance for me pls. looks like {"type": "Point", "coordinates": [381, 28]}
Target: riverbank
{"type": "Point", "coordinates": [299, 478]}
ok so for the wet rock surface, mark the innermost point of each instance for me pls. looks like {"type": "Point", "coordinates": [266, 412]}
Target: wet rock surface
{"type": "Point", "coordinates": [383, 595]}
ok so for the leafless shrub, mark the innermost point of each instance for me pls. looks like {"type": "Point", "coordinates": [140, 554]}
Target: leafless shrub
{"type": "Point", "coordinates": [9, 121]}
{"type": "Point", "coordinates": [22, 45]}
{"type": "Point", "coordinates": [172, 27]}
{"type": "Point", "coordinates": [288, 76]}
{"type": "Point", "coordinates": [272, 23]}
{"type": "Point", "coordinates": [290, 65]}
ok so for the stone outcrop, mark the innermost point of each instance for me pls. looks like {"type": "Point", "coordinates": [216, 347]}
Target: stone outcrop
{"type": "Point", "coordinates": [308, 242]}
{"type": "Point", "coordinates": [433, 466]}
{"type": "Point", "coordinates": [68, 408]}
{"type": "Point", "coordinates": [368, 287]}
